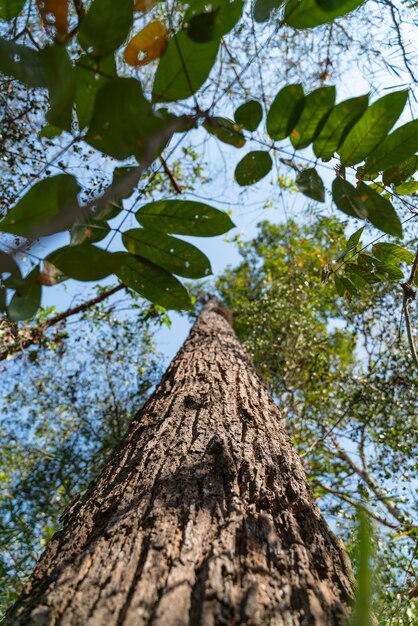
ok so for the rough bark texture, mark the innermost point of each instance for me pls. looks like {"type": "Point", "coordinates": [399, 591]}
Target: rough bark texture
{"type": "Point", "coordinates": [203, 516]}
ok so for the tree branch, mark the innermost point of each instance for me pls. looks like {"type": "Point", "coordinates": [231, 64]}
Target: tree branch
{"type": "Point", "coordinates": [409, 294]}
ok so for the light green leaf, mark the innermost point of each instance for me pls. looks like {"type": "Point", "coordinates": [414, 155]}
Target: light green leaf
{"type": "Point", "coordinates": [91, 75]}
{"type": "Point", "coordinates": [347, 198]}
{"type": "Point", "coordinates": [380, 212]}
{"type": "Point", "coordinates": [340, 121]}
{"type": "Point", "coordinates": [263, 8]}
{"type": "Point", "coordinates": [27, 298]}
{"type": "Point", "coordinates": [174, 255]}
{"type": "Point", "coordinates": [106, 26]}
{"type": "Point", "coordinates": [184, 68]}
{"type": "Point", "coordinates": [86, 262]}
{"type": "Point", "coordinates": [225, 130]}
{"type": "Point", "coordinates": [22, 63]}
{"type": "Point", "coordinates": [355, 238]}
{"type": "Point", "coordinates": [399, 173]}
{"type": "Point", "coordinates": [123, 120]}
{"type": "Point", "coordinates": [253, 167]}
{"type": "Point", "coordinates": [310, 184]}
{"type": "Point", "coordinates": [249, 115]}
{"type": "Point", "coordinates": [318, 105]}
{"type": "Point", "coordinates": [372, 127]}
{"type": "Point", "coordinates": [395, 149]}
{"type": "Point", "coordinates": [407, 189]}
{"type": "Point", "coordinates": [308, 13]}
{"type": "Point", "coordinates": [183, 217]}
{"type": "Point", "coordinates": [154, 283]}
{"type": "Point", "coordinates": [10, 8]}
{"type": "Point", "coordinates": [59, 74]}
{"type": "Point", "coordinates": [45, 209]}
{"type": "Point", "coordinates": [285, 111]}
{"type": "Point", "coordinates": [390, 251]}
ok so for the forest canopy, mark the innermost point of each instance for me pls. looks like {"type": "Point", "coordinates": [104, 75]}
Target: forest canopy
{"type": "Point", "coordinates": [132, 134]}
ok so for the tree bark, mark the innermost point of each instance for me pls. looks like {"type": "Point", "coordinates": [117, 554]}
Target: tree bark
{"type": "Point", "coordinates": [202, 517]}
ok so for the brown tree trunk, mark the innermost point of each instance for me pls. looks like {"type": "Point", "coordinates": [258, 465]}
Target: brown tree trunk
{"type": "Point", "coordinates": [203, 516]}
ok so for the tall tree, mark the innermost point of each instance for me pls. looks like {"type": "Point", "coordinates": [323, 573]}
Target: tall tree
{"type": "Point", "coordinates": [202, 516]}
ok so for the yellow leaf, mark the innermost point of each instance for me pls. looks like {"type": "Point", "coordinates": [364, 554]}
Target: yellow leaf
{"type": "Point", "coordinates": [149, 44]}
{"type": "Point", "coordinates": [50, 275]}
{"type": "Point", "coordinates": [144, 5]}
{"type": "Point", "coordinates": [54, 15]}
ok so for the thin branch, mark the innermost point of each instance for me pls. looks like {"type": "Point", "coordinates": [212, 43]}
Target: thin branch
{"type": "Point", "coordinates": [170, 175]}
{"type": "Point", "coordinates": [409, 294]}
{"type": "Point", "coordinates": [37, 333]}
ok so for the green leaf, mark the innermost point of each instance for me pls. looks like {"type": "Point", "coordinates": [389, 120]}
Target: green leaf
{"type": "Point", "coordinates": [339, 286]}
{"type": "Point", "coordinates": [106, 26]}
{"type": "Point", "coordinates": [50, 132]}
{"type": "Point", "coordinates": [45, 209]}
{"type": "Point", "coordinates": [347, 198]}
{"type": "Point", "coordinates": [60, 78]}
{"type": "Point", "coordinates": [308, 13]}
{"type": "Point", "coordinates": [86, 262]}
{"type": "Point", "coordinates": [10, 8]}
{"type": "Point", "coordinates": [225, 130]}
{"type": "Point", "coordinates": [22, 63]}
{"type": "Point", "coordinates": [372, 127]}
{"type": "Point", "coordinates": [318, 104]}
{"type": "Point", "coordinates": [27, 298]}
{"type": "Point", "coordinates": [87, 229]}
{"type": "Point", "coordinates": [184, 68]}
{"type": "Point", "coordinates": [310, 184]}
{"type": "Point", "coordinates": [91, 75]}
{"type": "Point", "coordinates": [380, 212]}
{"type": "Point", "coordinates": [174, 255]}
{"type": "Point", "coordinates": [395, 149]}
{"type": "Point", "coordinates": [123, 121]}
{"type": "Point", "coordinates": [8, 265]}
{"type": "Point", "coordinates": [183, 217]}
{"type": "Point", "coordinates": [339, 122]}
{"type": "Point", "coordinates": [285, 111]}
{"type": "Point", "coordinates": [249, 115]}
{"type": "Point", "coordinates": [389, 251]}
{"type": "Point", "coordinates": [355, 238]}
{"type": "Point", "coordinates": [399, 173]}
{"type": "Point", "coordinates": [263, 8]}
{"type": "Point", "coordinates": [153, 283]}
{"type": "Point", "coordinates": [407, 189]}
{"type": "Point", "coordinates": [253, 167]}
{"type": "Point", "coordinates": [207, 22]}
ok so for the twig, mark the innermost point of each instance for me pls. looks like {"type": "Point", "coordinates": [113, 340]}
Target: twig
{"type": "Point", "coordinates": [170, 175]}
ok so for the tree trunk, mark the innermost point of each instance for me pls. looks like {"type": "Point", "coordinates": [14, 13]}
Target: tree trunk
{"type": "Point", "coordinates": [203, 516]}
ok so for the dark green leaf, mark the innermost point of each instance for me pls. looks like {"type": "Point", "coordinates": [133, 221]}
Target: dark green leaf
{"type": "Point", "coordinates": [60, 79]}
{"type": "Point", "coordinates": [10, 8]}
{"type": "Point", "coordinates": [308, 13]}
{"type": "Point", "coordinates": [380, 212]}
{"type": "Point", "coordinates": [355, 238]}
{"type": "Point", "coordinates": [174, 255]}
{"type": "Point", "coordinates": [372, 127]}
{"type": "Point", "coordinates": [25, 302]}
{"type": "Point", "coordinates": [400, 173]}
{"type": "Point", "coordinates": [45, 209]}
{"type": "Point", "coordinates": [184, 68]}
{"type": "Point", "coordinates": [207, 22]}
{"type": "Point", "coordinates": [310, 184]}
{"type": "Point", "coordinates": [86, 262]}
{"type": "Point", "coordinates": [395, 149]}
{"type": "Point", "coordinates": [8, 265]}
{"type": "Point", "coordinates": [339, 286]}
{"type": "Point", "coordinates": [253, 167]}
{"type": "Point", "coordinates": [249, 115]}
{"type": "Point", "coordinates": [183, 217]}
{"type": "Point", "coordinates": [285, 111]}
{"type": "Point", "coordinates": [263, 8]}
{"type": "Point", "coordinates": [123, 121]}
{"type": "Point", "coordinates": [106, 26]}
{"type": "Point", "coordinates": [89, 230]}
{"type": "Point", "coordinates": [318, 105]}
{"type": "Point", "coordinates": [153, 283]}
{"type": "Point", "coordinates": [22, 63]}
{"type": "Point", "coordinates": [340, 121]}
{"type": "Point", "coordinates": [49, 131]}
{"type": "Point", "coordinates": [347, 198]}
{"type": "Point", "coordinates": [225, 130]}
{"type": "Point", "coordinates": [407, 189]}
{"type": "Point", "coordinates": [390, 251]}
{"type": "Point", "coordinates": [91, 75]}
